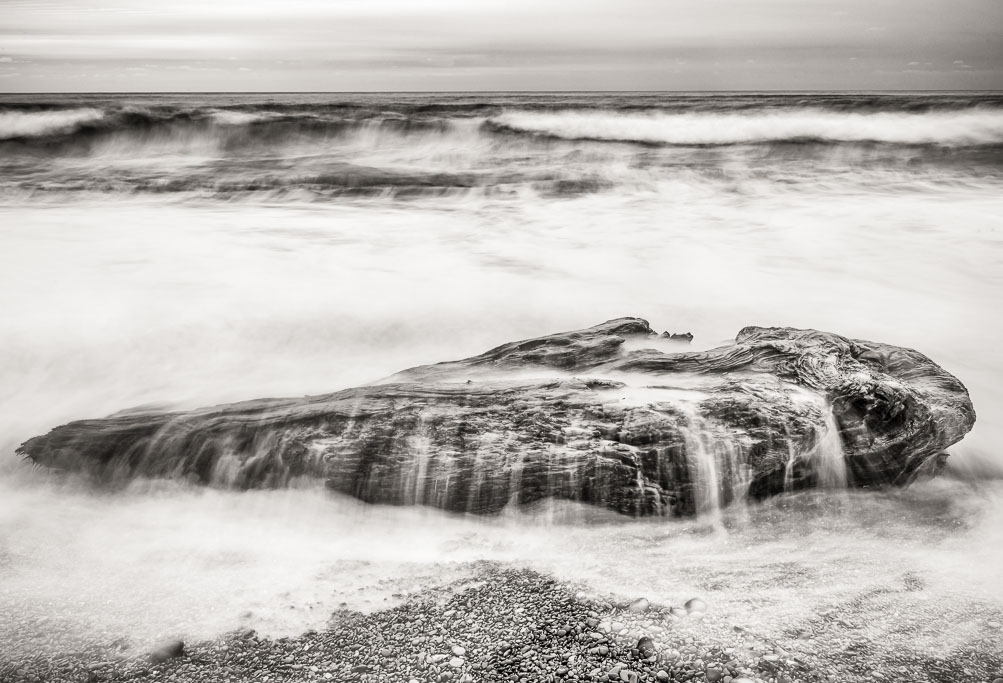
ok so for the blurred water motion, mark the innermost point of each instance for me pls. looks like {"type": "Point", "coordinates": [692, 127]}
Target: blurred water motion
{"type": "Point", "coordinates": [196, 250]}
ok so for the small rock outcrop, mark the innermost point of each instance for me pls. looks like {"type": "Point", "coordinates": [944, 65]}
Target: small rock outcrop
{"type": "Point", "coordinates": [596, 415]}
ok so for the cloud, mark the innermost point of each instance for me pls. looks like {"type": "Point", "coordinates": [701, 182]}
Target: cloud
{"type": "Point", "coordinates": [499, 44]}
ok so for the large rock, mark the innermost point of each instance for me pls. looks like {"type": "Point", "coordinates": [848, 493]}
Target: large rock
{"type": "Point", "coordinates": [605, 415]}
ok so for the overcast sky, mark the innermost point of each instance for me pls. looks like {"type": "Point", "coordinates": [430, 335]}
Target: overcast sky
{"type": "Point", "coordinates": [331, 45]}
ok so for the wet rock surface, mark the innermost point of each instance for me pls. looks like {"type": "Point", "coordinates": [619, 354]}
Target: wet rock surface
{"type": "Point", "coordinates": [599, 415]}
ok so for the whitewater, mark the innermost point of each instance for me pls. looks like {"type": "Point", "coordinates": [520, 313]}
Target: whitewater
{"type": "Point", "coordinates": [189, 250]}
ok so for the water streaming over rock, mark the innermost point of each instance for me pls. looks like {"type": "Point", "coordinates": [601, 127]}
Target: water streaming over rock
{"type": "Point", "coordinates": [827, 458]}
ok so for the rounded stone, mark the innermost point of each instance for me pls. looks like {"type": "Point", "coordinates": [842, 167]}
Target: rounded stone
{"type": "Point", "coordinates": [639, 605]}
{"type": "Point", "coordinates": [168, 649]}
{"type": "Point", "coordinates": [695, 605]}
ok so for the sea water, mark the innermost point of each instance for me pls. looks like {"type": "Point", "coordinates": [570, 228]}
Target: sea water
{"type": "Point", "coordinates": [187, 250]}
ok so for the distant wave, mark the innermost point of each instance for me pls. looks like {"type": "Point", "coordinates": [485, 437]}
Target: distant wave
{"type": "Point", "coordinates": [28, 124]}
{"type": "Point", "coordinates": [554, 147]}
{"type": "Point", "coordinates": [239, 118]}
{"type": "Point", "coordinates": [944, 128]}
{"type": "Point", "coordinates": [69, 128]}
{"type": "Point", "coordinates": [975, 126]}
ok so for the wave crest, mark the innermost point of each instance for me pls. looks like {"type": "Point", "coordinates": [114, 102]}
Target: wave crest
{"type": "Point", "coordinates": [22, 124]}
{"type": "Point", "coordinates": [945, 128]}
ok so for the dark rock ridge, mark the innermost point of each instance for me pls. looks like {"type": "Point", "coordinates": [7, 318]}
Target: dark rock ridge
{"type": "Point", "coordinates": [595, 415]}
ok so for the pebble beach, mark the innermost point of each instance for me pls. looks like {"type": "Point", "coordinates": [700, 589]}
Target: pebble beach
{"type": "Point", "coordinates": [511, 624]}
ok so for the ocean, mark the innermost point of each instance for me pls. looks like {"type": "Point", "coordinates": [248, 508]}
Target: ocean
{"type": "Point", "coordinates": [193, 249]}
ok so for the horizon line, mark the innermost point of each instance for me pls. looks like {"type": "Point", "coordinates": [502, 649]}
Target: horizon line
{"type": "Point", "coordinates": [489, 92]}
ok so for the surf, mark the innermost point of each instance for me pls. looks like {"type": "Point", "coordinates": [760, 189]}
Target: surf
{"type": "Point", "coordinates": [947, 129]}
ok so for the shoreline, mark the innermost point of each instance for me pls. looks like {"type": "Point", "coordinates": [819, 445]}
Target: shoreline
{"type": "Point", "coordinates": [508, 623]}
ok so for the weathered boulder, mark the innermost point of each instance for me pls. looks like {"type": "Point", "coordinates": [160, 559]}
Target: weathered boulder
{"type": "Point", "coordinates": [595, 415]}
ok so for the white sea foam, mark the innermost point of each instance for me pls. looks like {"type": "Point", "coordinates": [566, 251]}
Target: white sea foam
{"type": "Point", "coordinates": [238, 118]}
{"type": "Point", "coordinates": [951, 129]}
{"type": "Point", "coordinates": [116, 299]}
{"type": "Point", "coordinates": [167, 560]}
{"type": "Point", "coordinates": [16, 124]}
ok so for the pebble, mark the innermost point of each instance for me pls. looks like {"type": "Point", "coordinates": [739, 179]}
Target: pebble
{"type": "Point", "coordinates": [645, 647]}
{"type": "Point", "coordinates": [695, 605]}
{"type": "Point", "coordinates": [458, 651]}
{"type": "Point", "coordinates": [639, 605]}
{"type": "Point", "coordinates": [456, 662]}
{"type": "Point", "coordinates": [168, 649]}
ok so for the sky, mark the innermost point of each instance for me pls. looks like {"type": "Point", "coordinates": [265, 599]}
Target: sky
{"type": "Point", "coordinates": [442, 45]}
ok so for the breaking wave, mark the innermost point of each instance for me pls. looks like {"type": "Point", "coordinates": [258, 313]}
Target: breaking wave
{"type": "Point", "coordinates": [943, 128]}
{"type": "Point", "coordinates": [27, 124]}
{"type": "Point", "coordinates": [550, 145]}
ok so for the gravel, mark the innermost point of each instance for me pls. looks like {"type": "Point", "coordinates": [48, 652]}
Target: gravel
{"type": "Point", "coordinates": [513, 624]}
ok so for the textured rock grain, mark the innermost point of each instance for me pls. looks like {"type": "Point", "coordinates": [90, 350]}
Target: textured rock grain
{"type": "Point", "coordinates": [592, 415]}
